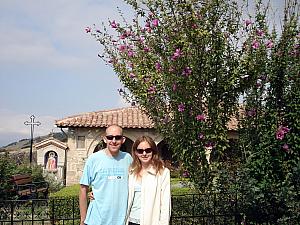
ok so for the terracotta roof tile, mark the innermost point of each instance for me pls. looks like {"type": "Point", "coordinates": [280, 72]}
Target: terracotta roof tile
{"type": "Point", "coordinates": [130, 117]}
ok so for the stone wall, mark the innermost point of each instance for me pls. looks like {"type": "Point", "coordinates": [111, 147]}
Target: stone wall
{"type": "Point", "coordinates": [76, 157]}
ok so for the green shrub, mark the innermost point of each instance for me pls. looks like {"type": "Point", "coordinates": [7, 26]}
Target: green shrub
{"type": "Point", "coordinates": [65, 204]}
{"type": "Point", "coordinates": [68, 192]}
{"type": "Point", "coordinates": [8, 168]}
{"type": "Point", "coordinates": [54, 184]}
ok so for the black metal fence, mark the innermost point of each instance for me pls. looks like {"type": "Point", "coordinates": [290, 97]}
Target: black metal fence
{"type": "Point", "coordinates": [40, 211]}
{"type": "Point", "coordinates": [194, 209]}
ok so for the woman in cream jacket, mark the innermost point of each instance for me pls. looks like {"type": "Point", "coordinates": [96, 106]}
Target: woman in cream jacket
{"type": "Point", "coordinates": [149, 200]}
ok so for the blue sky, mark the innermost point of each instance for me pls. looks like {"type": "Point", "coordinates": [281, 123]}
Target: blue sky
{"type": "Point", "coordinates": [49, 65]}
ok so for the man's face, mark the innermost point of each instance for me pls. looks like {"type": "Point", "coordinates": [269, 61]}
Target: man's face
{"type": "Point", "coordinates": [114, 139]}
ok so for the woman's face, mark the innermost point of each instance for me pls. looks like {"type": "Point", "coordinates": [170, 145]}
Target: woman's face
{"type": "Point", "coordinates": [144, 153]}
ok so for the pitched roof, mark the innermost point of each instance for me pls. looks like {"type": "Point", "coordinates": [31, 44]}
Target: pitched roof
{"type": "Point", "coordinates": [130, 117]}
{"type": "Point", "coordinates": [51, 141]}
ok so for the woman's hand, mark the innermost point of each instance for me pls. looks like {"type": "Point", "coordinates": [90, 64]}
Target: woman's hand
{"type": "Point", "coordinates": [91, 196]}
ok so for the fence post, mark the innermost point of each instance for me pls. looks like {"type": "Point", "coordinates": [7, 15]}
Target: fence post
{"type": "Point", "coordinates": [11, 212]}
{"type": "Point", "coordinates": [214, 216]}
{"type": "Point", "coordinates": [193, 208]}
{"type": "Point", "coordinates": [73, 209]}
{"type": "Point", "coordinates": [53, 211]}
{"type": "Point", "coordinates": [32, 211]}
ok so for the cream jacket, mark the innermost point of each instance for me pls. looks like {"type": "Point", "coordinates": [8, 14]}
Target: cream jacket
{"type": "Point", "coordinates": [155, 197]}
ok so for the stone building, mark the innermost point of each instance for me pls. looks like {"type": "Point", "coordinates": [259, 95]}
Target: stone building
{"type": "Point", "coordinates": [85, 135]}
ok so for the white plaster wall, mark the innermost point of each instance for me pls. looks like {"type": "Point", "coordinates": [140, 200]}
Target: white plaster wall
{"type": "Point", "coordinates": [42, 152]}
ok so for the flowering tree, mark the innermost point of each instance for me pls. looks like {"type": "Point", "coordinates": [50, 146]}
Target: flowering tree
{"type": "Point", "coordinates": [187, 62]}
{"type": "Point", "coordinates": [179, 62]}
{"type": "Point", "coordinates": [271, 125]}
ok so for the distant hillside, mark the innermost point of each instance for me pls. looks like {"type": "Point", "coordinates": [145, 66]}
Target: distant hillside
{"type": "Point", "coordinates": [25, 143]}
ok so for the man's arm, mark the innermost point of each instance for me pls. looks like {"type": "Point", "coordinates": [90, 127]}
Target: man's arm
{"type": "Point", "coordinates": [83, 202]}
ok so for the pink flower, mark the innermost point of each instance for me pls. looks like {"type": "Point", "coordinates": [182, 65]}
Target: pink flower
{"type": "Point", "coordinates": [122, 48]}
{"type": "Point", "coordinates": [151, 90]}
{"type": "Point", "coordinates": [194, 26]}
{"type": "Point", "coordinates": [251, 112]}
{"type": "Point", "coordinates": [146, 79]}
{"type": "Point", "coordinates": [285, 147]}
{"type": "Point", "coordinates": [201, 136]}
{"type": "Point", "coordinates": [158, 66]}
{"type": "Point", "coordinates": [186, 174]}
{"type": "Point", "coordinates": [284, 129]}
{"type": "Point", "coordinates": [88, 29]}
{"type": "Point", "coordinates": [255, 44]}
{"type": "Point", "coordinates": [114, 24]}
{"type": "Point", "coordinates": [174, 87]}
{"type": "Point", "coordinates": [128, 33]}
{"type": "Point", "coordinates": [200, 117]}
{"type": "Point", "coordinates": [166, 119]}
{"type": "Point", "coordinates": [142, 39]}
{"type": "Point", "coordinates": [132, 75]}
{"type": "Point", "coordinates": [281, 131]}
{"type": "Point", "coordinates": [176, 54]}
{"type": "Point", "coordinates": [260, 32]}
{"type": "Point", "coordinates": [181, 107]}
{"type": "Point", "coordinates": [248, 22]}
{"type": "Point", "coordinates": [209, 144]}
{"type": "Point", "coordinates": [130, 65]}
{"type": "Point", "coordinates": [269, 44]}
{"type": "Point", "coordinates": [155, 22]}
{"type": "Point", "coordinates": [130, 53]}
{"type": "Point", "coordinates": [171, 69]}
{"type": "Point", "coordinates": [150, 14]}
{"type": "Point", "coordinates": [146, 49]}
{"type": "Point", "coordinates": [279, 135]}
{"type": "Point", "coordinates": [149, 29]}
{"type": "Point", "coordinates": [123, 36]}
{"type": "Point", "coordinates": [186, 71]}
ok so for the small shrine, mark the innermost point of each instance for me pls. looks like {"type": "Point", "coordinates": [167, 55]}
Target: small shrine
{"type": "Point", "coordinates": [51, 155]}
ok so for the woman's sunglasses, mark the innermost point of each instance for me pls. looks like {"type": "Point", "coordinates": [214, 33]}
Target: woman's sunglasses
{"type": "Point", "coordinates": [111, 137]}
{"type": "Point", "coordinates": [141, 151]}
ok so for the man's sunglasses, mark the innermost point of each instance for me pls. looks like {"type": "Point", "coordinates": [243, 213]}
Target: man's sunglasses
{"type": "Point", "coordinates": [141, 151]}
{"type": "Point", "coordinates": [111, 137]}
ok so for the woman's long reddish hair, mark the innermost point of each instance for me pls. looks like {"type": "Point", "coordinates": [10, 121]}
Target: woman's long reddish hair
{"type": "Point", "coordinates": [136, 165]}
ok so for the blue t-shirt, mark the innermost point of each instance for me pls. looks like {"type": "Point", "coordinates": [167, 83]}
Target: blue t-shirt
{"type": "Point", "coordinates": [108, 177]}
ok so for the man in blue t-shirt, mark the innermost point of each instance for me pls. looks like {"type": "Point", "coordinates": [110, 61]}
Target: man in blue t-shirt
{"type": "Point", "coordinates": [106, 171]}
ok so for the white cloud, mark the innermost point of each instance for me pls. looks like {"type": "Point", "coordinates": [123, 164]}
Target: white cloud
{"type": "Point", "coordinates": [50, 34]}
{"type": "Point", "coordinates": [13, 127]}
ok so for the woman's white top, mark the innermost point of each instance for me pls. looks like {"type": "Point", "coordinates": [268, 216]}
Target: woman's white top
{"type": "Point", "coordinates": [135, 212]}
